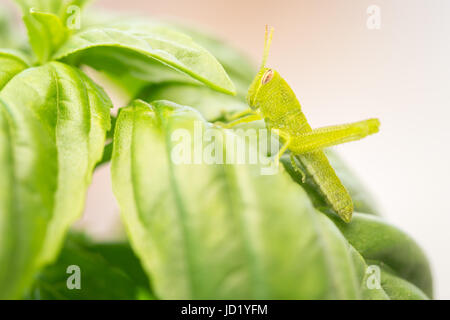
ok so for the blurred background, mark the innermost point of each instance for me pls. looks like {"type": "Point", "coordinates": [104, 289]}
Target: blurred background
{"type": "Point", "coordinates": [343, 71]}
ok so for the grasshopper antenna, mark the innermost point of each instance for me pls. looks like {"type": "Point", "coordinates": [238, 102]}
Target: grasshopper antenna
{"type": "Point", "coordinates": [267, 42]}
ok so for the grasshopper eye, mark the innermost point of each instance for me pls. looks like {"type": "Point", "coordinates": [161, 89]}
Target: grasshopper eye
{"type": "Point", "coordinates": [268, 75]}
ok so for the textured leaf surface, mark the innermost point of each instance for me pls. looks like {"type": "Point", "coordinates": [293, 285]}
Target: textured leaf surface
{"type": "Point", "coordinates": [236, 64]}
{"type": "Point", "coordinates": [57, 7]}
{"type": "Point", "coordinates": [11, 63]}
{"type": "Point", "coordinates": [45, 32]}
{"type": "Point", "coordinates": [53, 125]}
{"type": "Point", "coordinates": [361, 267]}
{"type": "Point", "coordinates": [400, 289]}
{"type": "Point", "coordinates": [211, 104]}
{"type": "Point", "coordinates": [361, 197]}
{"type": "Point", "coordinates": [381, 243]}
{"type": "Point", "coordinates": [46, 22]}
{"type": "Point", "coordinates": [142, 73]}
{"type": "Point", "coordinates": [363, 201]}
{"type": "Point", "coordinates": [134, 45]}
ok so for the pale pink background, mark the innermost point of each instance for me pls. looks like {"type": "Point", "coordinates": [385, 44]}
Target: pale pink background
{"type": "Point", "coordinates": [342, 72]}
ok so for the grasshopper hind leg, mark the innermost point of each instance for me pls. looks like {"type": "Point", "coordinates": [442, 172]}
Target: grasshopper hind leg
{"type": "Point", "coordinates": [297, 168]}
{"type": "Point", "coordinates": [318, 139]}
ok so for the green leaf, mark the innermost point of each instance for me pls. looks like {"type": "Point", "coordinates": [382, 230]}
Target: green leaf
{"type": "Point", "coordinates": [220, 231]}
{"type": "Point", "coordinates": [400, 289]}
{"type": "Point", "coordinates": [107, 270]}
{"type": "Point", "coordinates": [361, 267]}
{"type": "Point", "coordinates": [131, 72]}
{"type": "Point", "coordinates": [382, 243]}
{"type": "Point", "coordinates": [240, 69]}
{"type": "Point", "coordinates": [56, 7]}
{"type": "Point", "coordinates": [135, 46]}
{"type": "Point", "coordinates": [46, 22]}
{"type": "Point", "coordinates": [211, 104]}
{"type": "Point", "coordinates": [237, 65]}
{"type": "Point", "coordinates": [46, 32]}
{"type": "Point", "coordinates": [387, 286]}
{"type": "Point", "coordinates": [11, 63]}
{"type": "Point", "coordinates": [362, 200]}
{"type": "Point", "coordinates": [53, 125]}
{"type": "Point", "coordinates": [234, 62]}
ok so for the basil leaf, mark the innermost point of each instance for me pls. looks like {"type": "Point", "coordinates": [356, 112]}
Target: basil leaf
{"type": "Point", "coordinates": [153, 43]}
{"type": "Point", "coordinates": [236, 64]}
{"type": "Point", "coordinates": [11, 63]}
{"type": "Point", "coordinates": [56, 7]}
{"type": "Point", "coordinates": [46, 22]}
{"type": "Point", "coordinates": [131, 72]}
{"type": "Point", "coordinates": [363, 201]}
{"type": "Point", "coordinates": [378, 241]}
{"type": "Point", "coordinates": [220, 231]}
{"type": "Point", "coordinates": [211, 104]}
{"type": "Point", "coordinates": [400, 289]}
{"type": "Point", "coordinates": [45, 32]}
{"type": "Point", "coordinates": [107, 271]}
{"type": "Point", "coordinates": [368, 292]}
{"type": "Point", "coordinates": [53, 125]}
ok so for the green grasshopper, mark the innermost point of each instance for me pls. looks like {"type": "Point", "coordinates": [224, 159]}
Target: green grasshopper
{"type": "Point", "coordinates": [271, 99]}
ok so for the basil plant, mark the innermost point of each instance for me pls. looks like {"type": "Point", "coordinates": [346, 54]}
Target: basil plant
{"type": "Point", "coordinates": [194, 230]}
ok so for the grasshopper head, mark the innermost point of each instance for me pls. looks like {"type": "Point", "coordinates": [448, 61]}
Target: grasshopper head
{"type": "Point", "coordinates": [261, 83]}
{"type": "Point", "coordinates": [264, 76]}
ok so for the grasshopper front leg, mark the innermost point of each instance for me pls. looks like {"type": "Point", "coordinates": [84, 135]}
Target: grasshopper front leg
{"type": "Point", "coordinates": [241, 114]}
{"type": "Point", "coordinates": [245, 116]}
{"type": "Point", "coordinates": [321, 138]}
{"type": "Point", "coordinates": [287, 142]}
